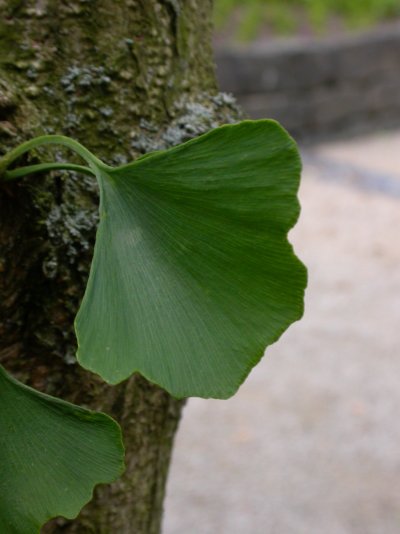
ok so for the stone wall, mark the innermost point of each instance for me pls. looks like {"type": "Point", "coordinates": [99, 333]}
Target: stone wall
{"type": "Point", "coordinates": [318, 88]}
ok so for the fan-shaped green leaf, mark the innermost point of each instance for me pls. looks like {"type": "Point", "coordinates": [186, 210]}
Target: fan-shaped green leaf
{"type": "Point", "coordinates": [52, 454]}
{"type": "Point", "coordinates": [192, 274]}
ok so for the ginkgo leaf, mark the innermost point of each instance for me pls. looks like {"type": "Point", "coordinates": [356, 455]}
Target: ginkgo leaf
{"type": "Point", "coordinates": [52, 454]}
{"type": "Point", "coordinates": [193, 275]}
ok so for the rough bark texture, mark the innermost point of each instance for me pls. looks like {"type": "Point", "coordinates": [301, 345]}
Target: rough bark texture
{"type": "Point", "coordinates": [123, 78]}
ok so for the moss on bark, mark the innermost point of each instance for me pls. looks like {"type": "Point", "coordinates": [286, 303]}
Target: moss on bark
{"type": "Point", "coordinates": [123, 78]}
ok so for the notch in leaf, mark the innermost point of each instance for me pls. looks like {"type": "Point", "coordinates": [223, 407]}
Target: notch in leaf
{"type": "Point", "coordinates": [193, 275]}
{"type": "Point", "coordinates": [52, 454]}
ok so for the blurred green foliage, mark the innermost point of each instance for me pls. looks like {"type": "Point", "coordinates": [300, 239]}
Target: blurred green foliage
{"type": "Point", "coordinates": [285, 17]}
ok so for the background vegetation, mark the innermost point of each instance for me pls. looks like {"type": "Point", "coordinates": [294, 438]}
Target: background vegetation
{"type": "Point", "coordinates": [249, 19]}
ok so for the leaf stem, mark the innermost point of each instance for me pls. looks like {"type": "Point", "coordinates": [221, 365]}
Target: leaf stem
{"type": "Point", "coordinates": [76, 147]}
{"type": "Point", "coordinates": [43, 167]}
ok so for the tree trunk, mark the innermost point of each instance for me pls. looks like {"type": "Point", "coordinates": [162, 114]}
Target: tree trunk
{"type": "Point", "coordinates": [123, 78]}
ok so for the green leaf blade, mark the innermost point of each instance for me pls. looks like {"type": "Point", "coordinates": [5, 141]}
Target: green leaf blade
{"type": "Point", "coordinates": [52, 454]}
{"type": "Point", "coordinates": [192, 275]}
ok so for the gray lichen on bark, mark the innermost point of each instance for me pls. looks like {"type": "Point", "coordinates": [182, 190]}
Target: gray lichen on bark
{"type": "Point", "coordinates": [123, 78]}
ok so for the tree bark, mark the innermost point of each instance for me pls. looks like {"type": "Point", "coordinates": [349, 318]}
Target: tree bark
{"type": "Point", "coordinates": [124, 78]}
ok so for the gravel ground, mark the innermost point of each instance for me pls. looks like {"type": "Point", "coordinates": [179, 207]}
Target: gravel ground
{"type": "Point", "coordinates": [311, 442]}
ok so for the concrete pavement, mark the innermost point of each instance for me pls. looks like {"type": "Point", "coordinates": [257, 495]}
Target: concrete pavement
{"type": "Point", "coordinates": [311, 442]}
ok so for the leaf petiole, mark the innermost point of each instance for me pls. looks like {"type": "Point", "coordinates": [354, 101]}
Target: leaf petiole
{"type": "Point", "coordinates": [76, 147]}
{"type": "Point", "coordinates": [44, 167]}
